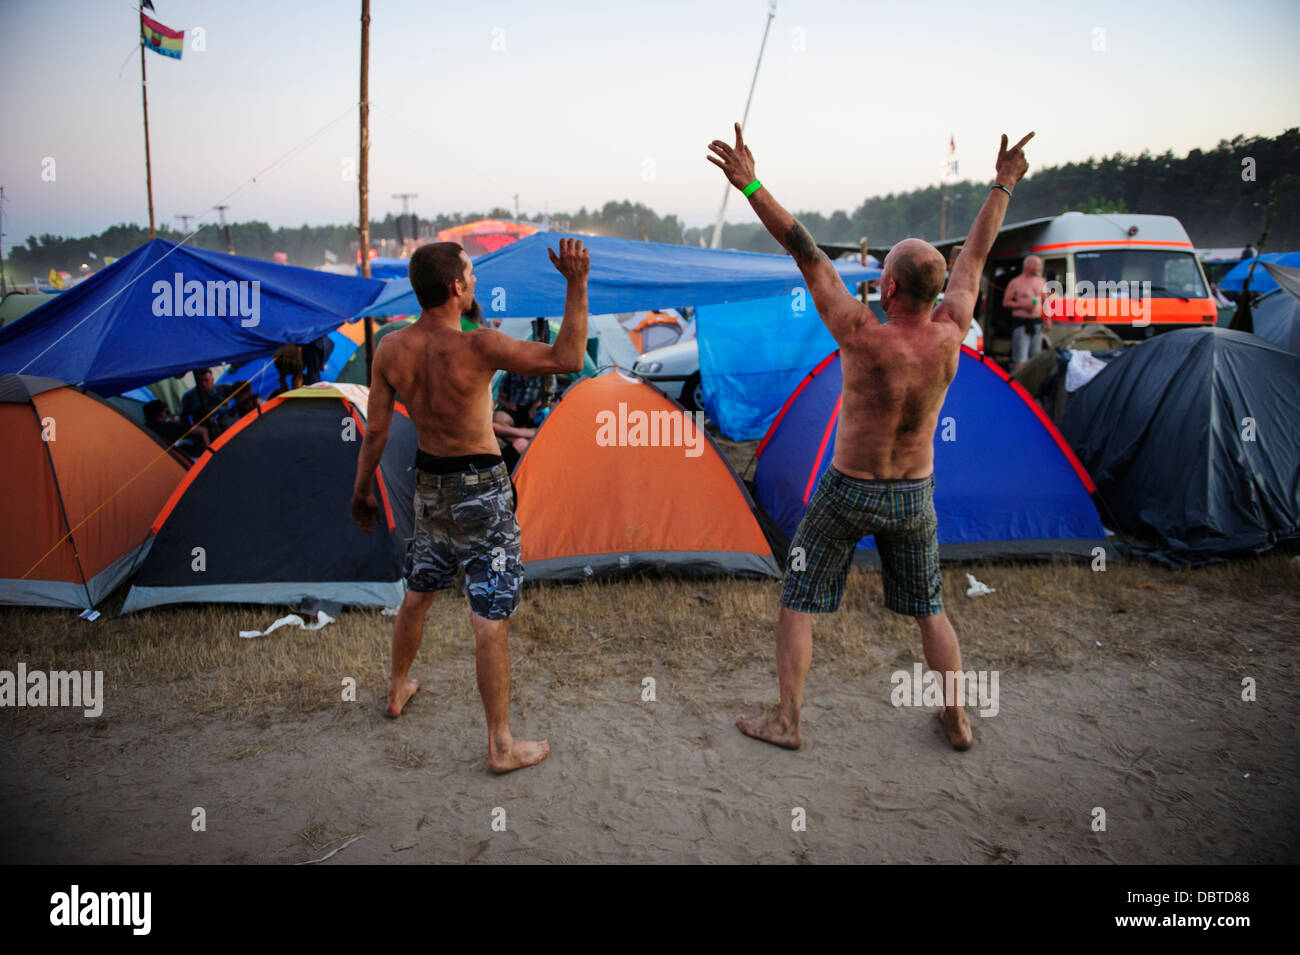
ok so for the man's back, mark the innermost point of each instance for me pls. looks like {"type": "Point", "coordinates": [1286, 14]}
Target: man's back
{"type": "Point", "coordinates": [443, 374]}
{"type": "Point", "coordinates": [443, 380]}
{"type": "Point", "coordinates": [895, 379]}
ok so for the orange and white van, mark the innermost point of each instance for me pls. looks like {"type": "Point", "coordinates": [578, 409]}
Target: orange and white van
{"type": "Point", "coordinates": [1138, 274]}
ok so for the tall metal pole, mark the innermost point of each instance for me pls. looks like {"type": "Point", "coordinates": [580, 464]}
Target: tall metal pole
{"type": "Point", "coordinates": [722, 210]}
{"type": "Point", "coordinates": [406, 198]}
{"type": "Point", "coordinates": [144, 99]}
{"type": "Point", "coordinates": [363, 173]}
{"type": "Point", "coordinates": [225, 229]}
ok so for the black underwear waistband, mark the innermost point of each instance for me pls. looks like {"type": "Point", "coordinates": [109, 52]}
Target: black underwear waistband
{"type": "Point", "coordinates": [454, 464]}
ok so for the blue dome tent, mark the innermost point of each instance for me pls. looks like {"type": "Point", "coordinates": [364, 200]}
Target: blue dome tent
{"type": "Point", "coordinates": [1006, 483]}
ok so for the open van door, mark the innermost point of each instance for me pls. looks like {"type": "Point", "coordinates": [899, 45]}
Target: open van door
{"type": "Point", "coordinates": [1137, 274]}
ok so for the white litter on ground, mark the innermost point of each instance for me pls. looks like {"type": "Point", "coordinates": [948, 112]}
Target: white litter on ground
{"type": "Point", "coordinates": [322, 619]}
{"type": "Point", "coordinates": [977, 589]}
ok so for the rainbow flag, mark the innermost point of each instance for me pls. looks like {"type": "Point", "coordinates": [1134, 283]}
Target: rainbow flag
{"type": "Point", "coordinates": [161, 39]}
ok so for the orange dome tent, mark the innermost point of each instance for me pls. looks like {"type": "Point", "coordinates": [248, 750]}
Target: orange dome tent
{"type": "Point", "coordinates": [621, 480]}
{"type": "Point", "coordinates": [79, 484]}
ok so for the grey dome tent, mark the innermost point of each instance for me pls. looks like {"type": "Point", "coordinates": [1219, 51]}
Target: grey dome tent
{"type": "Point", "coordinates": [1192, 442]}
{"type": "Point", "coordinates": [1276, 316]}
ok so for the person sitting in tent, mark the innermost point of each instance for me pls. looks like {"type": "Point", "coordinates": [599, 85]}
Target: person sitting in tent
{"type": "Point", "coordinates": [246, 398]}
{"type": "Point", "coordinates": [881, 478]}
{"type": "Point", "coordinates": [519, 399]}
{"type": "Point", "coordinates": [513, 440]}
{"type": "Point", "coordinates": [464, 501]}
{"type": "Point", "coordinates": [203, 403]}
{"type": "Point", "coordinates": [161, 422]}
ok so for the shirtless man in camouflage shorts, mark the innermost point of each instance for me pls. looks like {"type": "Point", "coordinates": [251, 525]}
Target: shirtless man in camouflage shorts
{"type": "Point", "coordinates": [881, 479]}
{"type": "Point", "coordinates": [464, 501]}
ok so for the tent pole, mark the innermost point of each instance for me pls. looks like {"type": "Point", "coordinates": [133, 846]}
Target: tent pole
{"type": "Point", "coordinates": [144, 100]}
{"type": "Point", "coordinates": [363, 172]}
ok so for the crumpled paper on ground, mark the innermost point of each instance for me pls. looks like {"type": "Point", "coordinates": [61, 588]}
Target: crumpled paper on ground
{"type": "Point", "coordinates": [977, 589]}
{"type": "Point", "coordinates": [322, 619]}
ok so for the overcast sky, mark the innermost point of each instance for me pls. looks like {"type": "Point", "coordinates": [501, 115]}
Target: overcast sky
{"type": "Point", "coordinates": [577, 103]}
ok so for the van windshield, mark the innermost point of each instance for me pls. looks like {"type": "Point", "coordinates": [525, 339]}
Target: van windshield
{"type": "Point", "coordinates": [1171, 274]}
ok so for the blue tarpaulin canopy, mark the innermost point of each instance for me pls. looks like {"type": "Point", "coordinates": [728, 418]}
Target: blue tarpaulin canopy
{"type": "Point", "coordinates": [166, 308]}
{"type": "Point", "coordinates": [519, 281]}
{"type": "Point", "coordinates": [1261, 281]}
{"type": "Point", "coordinates": [752, 355]}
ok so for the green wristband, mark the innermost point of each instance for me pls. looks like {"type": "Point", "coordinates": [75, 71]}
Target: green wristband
{"type": "Point", "coordinates": [752, 188]}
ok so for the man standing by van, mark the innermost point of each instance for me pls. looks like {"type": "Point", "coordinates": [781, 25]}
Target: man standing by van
{"type": "Point", "coordinates": [881, 479]}
{"type": "Point", "coordinates": [464, 501]}
{"type": "Point", "coordinates": [1024, 296]}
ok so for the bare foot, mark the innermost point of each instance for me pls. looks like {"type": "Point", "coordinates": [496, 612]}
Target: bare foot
{"type": "Point", "coordinates": [771, 729]}
{"type": "Point", "coordinates": [398, 698]}
{"type": "Point", "coordinates": [521, 753]}
{"type": "Point", "coordinates": [957, 726]}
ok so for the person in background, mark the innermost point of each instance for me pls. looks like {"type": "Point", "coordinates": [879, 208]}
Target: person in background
{"type": "Point", "coordinates": [200, 404]}
{"type": "Point", "coordinates": [472, 319]}
{"type": "Point", "coordinates": [288, 365]}
{"type": "Point", "coordinates": [174, 432]}
{"type": "Point", "coordinates": [519, 398]}
{"type": "Point", "coordinates": [246, 399]}
{"type": "Point", "coordinates": [1024, 296]}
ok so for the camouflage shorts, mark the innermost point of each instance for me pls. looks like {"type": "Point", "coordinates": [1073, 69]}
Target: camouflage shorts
{"type": "Point", "coordinates": [466, 522]}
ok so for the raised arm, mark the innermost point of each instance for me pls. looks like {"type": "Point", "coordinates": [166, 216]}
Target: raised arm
{"type": "Point", "coordinates": [839, 309]}
{"type": "Point", "coordinates": [958, 303]}
{"type": "Point", "coordinates": [565, 354]}
{"type": "Point", "coordinates": [379, 414]}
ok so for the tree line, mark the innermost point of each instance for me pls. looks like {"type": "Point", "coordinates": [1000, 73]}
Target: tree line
{"type": "Point", "coordinates": [1220, 195]}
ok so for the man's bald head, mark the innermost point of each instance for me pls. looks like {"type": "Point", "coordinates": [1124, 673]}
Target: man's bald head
{"type": "Point", "coordinates": [914, 270]}
{"type": "Point", "coordinates": [1033, 265]}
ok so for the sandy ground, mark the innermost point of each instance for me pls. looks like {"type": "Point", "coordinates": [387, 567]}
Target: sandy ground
{"type": "Point", "coordinates": [1184, 769]}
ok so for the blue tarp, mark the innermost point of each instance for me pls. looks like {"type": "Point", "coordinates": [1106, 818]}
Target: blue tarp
{"type": "Point", "coordinates": [1261, 281]}
{"type": "Point", "coordinates": [519, 281]}
{"type": "Point", "coordinates": [119, 329]}
{"type": "Point", "coordinates": [752, 354]}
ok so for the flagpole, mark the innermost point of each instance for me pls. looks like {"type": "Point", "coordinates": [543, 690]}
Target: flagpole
{"type": "Point", "coordinates": [144, 99]}
{"type": "Point", "coordinates": [363, 173]}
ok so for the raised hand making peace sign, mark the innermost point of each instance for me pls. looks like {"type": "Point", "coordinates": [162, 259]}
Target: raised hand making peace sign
{"type": "Point", "coordinates": [736, 161]}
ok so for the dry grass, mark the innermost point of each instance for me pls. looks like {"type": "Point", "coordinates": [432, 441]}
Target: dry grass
{"type": "Point", "coordinates": [576, 636]}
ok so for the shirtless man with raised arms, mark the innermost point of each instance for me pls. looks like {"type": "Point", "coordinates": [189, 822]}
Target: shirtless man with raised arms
{"type": "Point", "coordinates": [464, 500]}
{"type": "Point", "coordinates": [881, 480]}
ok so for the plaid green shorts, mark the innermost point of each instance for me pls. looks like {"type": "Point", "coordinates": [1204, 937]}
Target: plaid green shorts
{"type": "Point", "coordinates": [843, 510]}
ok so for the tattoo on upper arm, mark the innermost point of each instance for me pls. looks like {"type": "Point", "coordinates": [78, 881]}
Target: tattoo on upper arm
{"type": "Point", "coordinates": [801, 245]}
